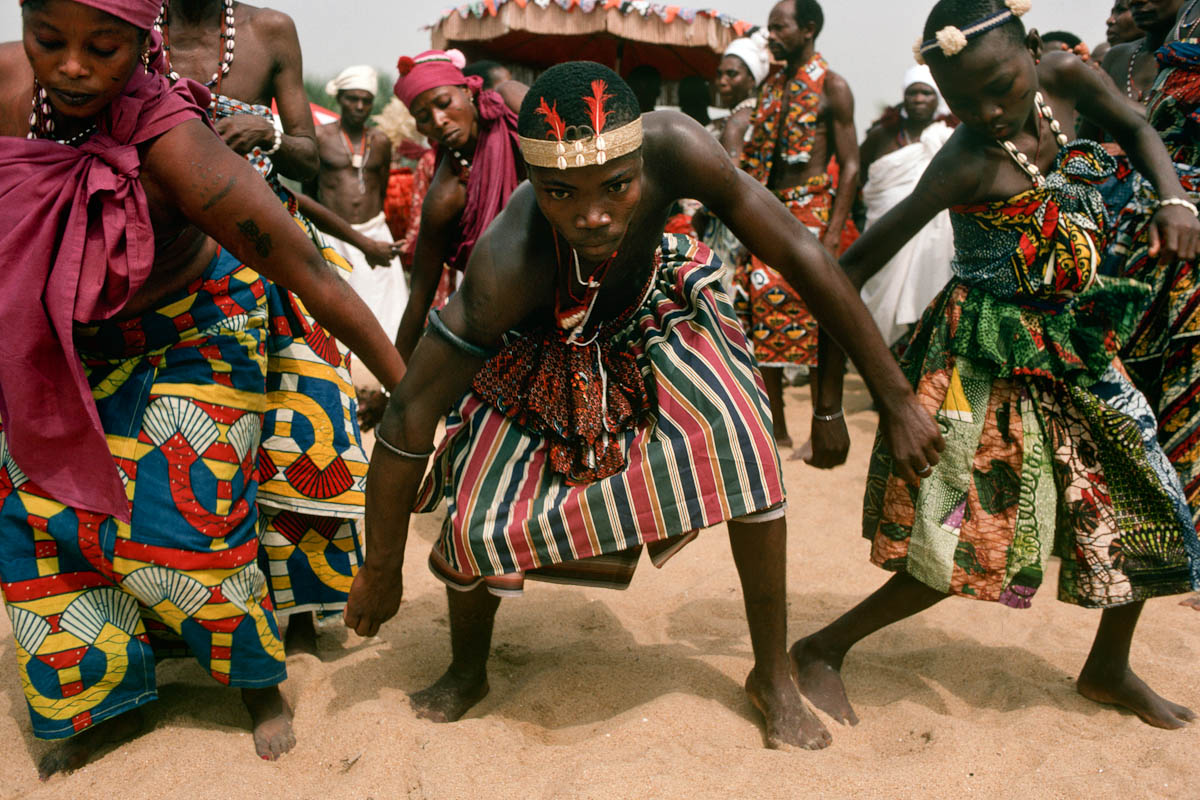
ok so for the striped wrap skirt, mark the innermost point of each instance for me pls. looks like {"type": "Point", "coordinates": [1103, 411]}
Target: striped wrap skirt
{"type": "Point", "coordinates": [705, 455]}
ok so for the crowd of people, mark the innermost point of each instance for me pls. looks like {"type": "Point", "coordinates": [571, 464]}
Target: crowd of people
{"type": "Point", "coordinates": [600, 302]}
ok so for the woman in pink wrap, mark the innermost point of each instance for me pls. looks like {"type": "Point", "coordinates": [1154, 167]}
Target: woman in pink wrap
{"type": "Point", "coordinates": [479, 164]}
{"type": "Point", "coordinates": [132, 378]}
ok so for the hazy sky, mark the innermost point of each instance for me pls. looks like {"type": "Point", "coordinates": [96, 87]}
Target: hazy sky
{"type": "Point", "coordinates": [867, 41]}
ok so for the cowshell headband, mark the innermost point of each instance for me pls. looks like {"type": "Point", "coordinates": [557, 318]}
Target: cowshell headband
{"type": "Point", "coordinates": [585, 151]}
{"type": "Point", "coordinates": [951, 40]}
{"type": "Point", "coordinates": [581, 145]}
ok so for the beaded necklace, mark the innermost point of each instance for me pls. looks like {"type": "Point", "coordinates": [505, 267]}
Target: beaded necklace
{"type": "Point", "coordinates": [466, 164]}
{"type": "Point", "coordinates": [749, 103]}
{"type": "Point", "coordinates": [1129, 73]}
{"type": "Point", "coordinates": [575, 316]}
{"type": "Point", "coordinates": [41, 123]}
{"type": "Point", "coordinates": [228, 38]}
{"type": "Point", "coordinates": [1191, 28]}
{"type": "Point", "coordinates": [358, 160]}
{"type": "Point", "coordinates": [1028, 167]}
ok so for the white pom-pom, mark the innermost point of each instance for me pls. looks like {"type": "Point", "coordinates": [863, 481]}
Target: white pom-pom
{"type": "Point", "coordinates": [917, 55]}
{"type": "Point", "coordinates": [457, 58]}
{"type": "Point", "coordinates": [1019, 8]}
{"type": "Point", "coordinates": [951, 41]}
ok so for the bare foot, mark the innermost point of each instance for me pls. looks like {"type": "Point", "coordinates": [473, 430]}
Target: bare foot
{"type": "Point", "coordinates": [1129, 691]}
{"type": "Point", "coordinates": [272, 720]}
{"type": "Point", "coordinates": [783, 441]}
{"type": "Point", "coordinates": [789, 722]}
{"type": "Point", "coordinates": [301, 634]}
{"type": "Point", "coordinates": [73, 753]}
{"type": "Point", "coordinates": [449, 697]}
{"type": "Point", "coordinates": [1191, 601]}
{"type": "Point", "coordinates": [819, 677]}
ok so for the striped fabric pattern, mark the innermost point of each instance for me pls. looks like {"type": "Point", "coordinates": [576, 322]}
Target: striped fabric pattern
{"type": "Point", "coordinates": [707, 456]}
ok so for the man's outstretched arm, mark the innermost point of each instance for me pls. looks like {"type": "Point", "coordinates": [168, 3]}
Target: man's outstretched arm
{"type": "Point", "coordinates": [763, 224]}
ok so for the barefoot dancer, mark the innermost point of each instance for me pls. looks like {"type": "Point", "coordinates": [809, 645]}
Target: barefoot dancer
{"type": "Point", "coordinates": [1163, 356]}
{"type": "Point", "coordinates": [312, 468]}
{"type": "Point", "coordinates": [625, 409]}
{"type": "Point", "coordinates": [805, 117]}
{"type": "Point", "coordinates": [133, 380]}
{"type": "Point", "coordinates": [1049, 448]}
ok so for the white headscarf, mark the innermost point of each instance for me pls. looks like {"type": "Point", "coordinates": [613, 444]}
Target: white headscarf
{"type": "Point", "coordinates": [919, 73]}
{"type": "Point", "coordinates": [752, 50]}
{"type": "Point", "coordinates": [361, 78]}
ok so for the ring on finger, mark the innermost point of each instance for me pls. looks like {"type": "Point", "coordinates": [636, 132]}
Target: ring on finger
{"type": "Point", "coordinates": [925, 471]}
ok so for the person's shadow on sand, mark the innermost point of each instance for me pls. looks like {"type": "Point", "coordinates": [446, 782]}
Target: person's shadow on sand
{"type": "Point", "coordinates": [559, 660]}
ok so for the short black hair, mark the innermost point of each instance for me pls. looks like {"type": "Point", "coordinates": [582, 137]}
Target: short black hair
{"type": "Point", "coordinates": [807, 11]}
{"type": "Point", "coordinates": [564, 87]}
{"type": "Point", "coordinates": [1066, 37]}
{"type": "Point", "coordinates": [483, 68]}
{"type": "Point", "coordinates": [963, 13]}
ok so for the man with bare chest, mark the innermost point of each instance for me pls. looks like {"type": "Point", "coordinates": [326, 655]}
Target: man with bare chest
{"type": "Point", "coordinates": [352, 182]}
{"type": "Point", "coordinates": [251, 55]}
{"type": "Point", "coordinates": [311, 459]}
{"type": "Point", "coordinates": [805, 117]}
{"type": "Point", "coordinates": [601, 396]}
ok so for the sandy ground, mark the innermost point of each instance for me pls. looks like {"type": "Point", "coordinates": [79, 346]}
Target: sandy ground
{"type": "Point", "coordinates": [634, 694]}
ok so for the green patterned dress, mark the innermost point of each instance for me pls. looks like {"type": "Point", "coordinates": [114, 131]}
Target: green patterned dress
{"type": "Point", "coordinates": [1049, 448]}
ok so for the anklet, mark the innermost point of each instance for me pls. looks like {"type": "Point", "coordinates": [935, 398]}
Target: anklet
{"type": "Point", "coordinates": [841, 412]}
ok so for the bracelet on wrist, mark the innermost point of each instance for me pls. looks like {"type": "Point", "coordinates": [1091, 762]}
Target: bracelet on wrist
{"type": "Point", "coordinates": [398, 451]}
{"type": "Point", "coordinates": [1179, 201]}
{"type": "Point", "coordinates": [830, 417]}
{"type": "Point", "coordinates": [277, 143]}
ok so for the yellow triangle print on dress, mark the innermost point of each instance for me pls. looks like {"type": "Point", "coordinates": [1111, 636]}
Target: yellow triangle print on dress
{"type": "Point", "coordinates": [955, 406]}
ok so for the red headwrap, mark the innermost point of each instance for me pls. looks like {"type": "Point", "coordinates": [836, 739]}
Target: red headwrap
{"type": "Point", "coordinates": [427, 71]}
{"type": "Point", "coordinates": [138, 13]}
{"type": "Point", "coordinates": [497, 152]}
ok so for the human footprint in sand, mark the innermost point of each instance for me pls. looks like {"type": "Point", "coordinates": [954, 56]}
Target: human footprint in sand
{"type": "Point", "coordinates": [1049, 448]}
{"type": "Point", "coordinates": [623, 407]}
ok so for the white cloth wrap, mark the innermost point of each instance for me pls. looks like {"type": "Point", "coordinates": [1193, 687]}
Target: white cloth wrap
{"type": "Point", "coordinates": [898, 294]}
{"type": "Point", "coordinates": [383, 289]}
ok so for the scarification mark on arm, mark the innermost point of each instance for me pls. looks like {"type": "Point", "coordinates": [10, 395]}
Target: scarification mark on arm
{"type": "Point", "coordinates": [259, 238]}
{"type": "Point", "coordinates": [219, 196]}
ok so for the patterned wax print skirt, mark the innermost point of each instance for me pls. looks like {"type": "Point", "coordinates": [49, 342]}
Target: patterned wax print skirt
{"type": "Point", "coordinates": [181, 396]}
{"type": "Point", "coordinates": [1042, 458]}
{"type": "Point", "coordinates": [1163, 354]}
{"type": "Point", "coordinates": [311, 462]}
